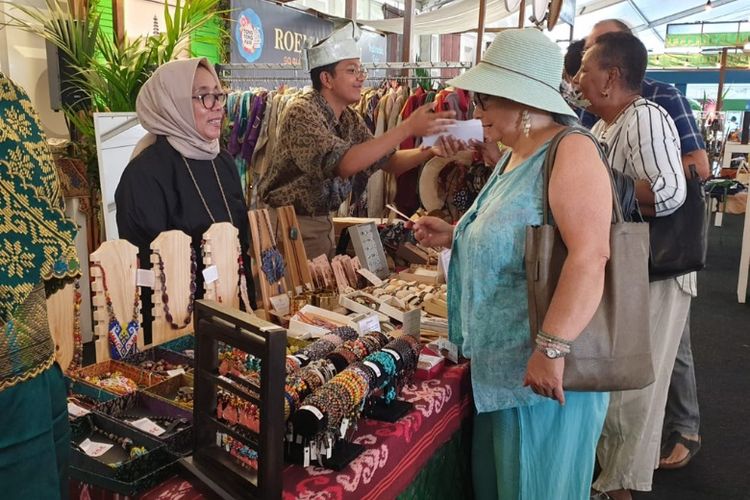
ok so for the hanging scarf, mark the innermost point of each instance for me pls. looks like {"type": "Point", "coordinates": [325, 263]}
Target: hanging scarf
{"type": "Point", "coordinates": [36, 239]}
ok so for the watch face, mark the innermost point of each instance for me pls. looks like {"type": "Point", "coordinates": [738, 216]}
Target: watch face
{"type": "Point", "coordinates": [552, 353]}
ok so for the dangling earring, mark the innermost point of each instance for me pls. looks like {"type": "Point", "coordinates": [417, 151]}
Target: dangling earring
{"type": "Point", "coordinates": [526, 122]}
{"type": "Point", "coordinates": [605, 93]}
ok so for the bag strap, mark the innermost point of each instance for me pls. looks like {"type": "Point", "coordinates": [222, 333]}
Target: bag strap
{"type": "Point", "coordinates": [549, 161]}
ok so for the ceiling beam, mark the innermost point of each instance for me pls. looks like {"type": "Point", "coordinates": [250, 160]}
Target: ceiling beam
{"type": "Point", "coordinates": [643, 16]}
{"type": "Point", "coordinates": [679, 15]}
{"type": "Point", "coordinates": [597, 5]}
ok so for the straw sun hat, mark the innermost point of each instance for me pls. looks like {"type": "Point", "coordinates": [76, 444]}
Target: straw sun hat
{"type": "Point", "coordinates": [522, 65]}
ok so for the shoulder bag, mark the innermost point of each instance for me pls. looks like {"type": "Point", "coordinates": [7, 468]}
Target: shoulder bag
{"type": "Point", "coordinates": [613, 352]}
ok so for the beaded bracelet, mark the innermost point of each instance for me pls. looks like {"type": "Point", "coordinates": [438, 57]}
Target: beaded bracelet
{"type": "Point", "coordinates": [126, 443]}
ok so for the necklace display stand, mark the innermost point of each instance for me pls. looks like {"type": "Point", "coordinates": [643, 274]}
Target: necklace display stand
{"type": "Point", "coordinates": [264, 241]}
{"type": "Point", "coordinates": [119, 260]}
{"type": "Point", "coordinates": [176, 253]}
{"type": "Point", "coordinates": [221, 248]}
{"type": "Point", "coordinates": [298, 277]}
{"type": "Point", "coordinates": [61, 315]}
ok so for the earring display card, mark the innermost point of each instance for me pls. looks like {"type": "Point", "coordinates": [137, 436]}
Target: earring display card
{"type": "Point", "coordinates": [369, 248]}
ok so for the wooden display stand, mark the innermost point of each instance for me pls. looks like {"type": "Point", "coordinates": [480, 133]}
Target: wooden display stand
{"type": "Point", "coordinates": [61, 311]}
{"type": "Point", "coordinates": [298, 276]}
{"type": "Point", "coordinates": [175, 250]}
{"type": "Point", "coordinates": [211, 463]}
{"type": "Point", "coordinates": [263, 239]}
{"type": "Point", "coordinates": [119, 259]}
{"type": "Point", "coordinates": [221, 248]}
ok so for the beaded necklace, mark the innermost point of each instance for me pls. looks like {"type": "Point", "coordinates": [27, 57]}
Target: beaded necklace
{"type": "Point", "coordinates": [122, 341]}
{"type": "Point", "coordinates": [77, 341]}
{"type": "Point", "coordinates": [165, 297]}
{"type": "Point", "coordinates": [272, 263]}
{"type": "Point", "coordinates": [241, 278]}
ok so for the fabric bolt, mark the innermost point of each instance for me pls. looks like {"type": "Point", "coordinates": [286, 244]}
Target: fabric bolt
{"type": "Point", "coordinates": [311, 143]}
{"type": "Point", "coordinates": [643, 143]}
{"type": "Point", "coordinates": [539, 451]}
{"type": "Point", "coordinates": [36, 239]}
{"type": "Point", "coordinates": [165, 107]}
{"type": "Point", "coordinates": [35, 441]}
{"type": "Point", "coordinates": [487, 303]}
{"type": "Point", "coordinates": [629, 448]}
{"type": "Point", "coordinates": [668, 97]}
{"type": "Point", "coordinates": [682, 413]}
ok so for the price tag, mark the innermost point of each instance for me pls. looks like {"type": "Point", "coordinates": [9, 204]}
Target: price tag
{"type": "Point", "coordinates": [344, 427]}
{"type": "Point", "coordinates": [77, 411]}
{"type": "Point", "coordinates": [302, 358]}
{"type": "Point", "coordinates": [393, 354]}
{"type": "Point", "coordinates": [280, 304]}
{"type": "Point", "coordinates": [369, 323]}
{"type": "Point", "coordinates": [306, 460]}
{"type": "Point", "coordinates": [318, 414]}
{"type": "Point", "coordinates": [448, 349]}
{"type": "Point", "coordinates": [313, 450]}
{"type": "Point", "coordinates": [374, 368]}
{"type": "Point", "coordinates": [370, 276]}
{"type": "Point", "coordinates": [210, 274]}
{"type": "Point", "coordinates": [299, 439]}
{"type": "Point", "coordinates": [94, 449]}
{"type": "Point", "coordinates": [718, 219]}
{"type": "Point", "coordinates": [175, 372]}
{"type": "Point", "coordinates": [145, 278]}
{"type": "Point", "coordinates": [444, 260]}
{"type": "Point", "coordinates": [147, 425]}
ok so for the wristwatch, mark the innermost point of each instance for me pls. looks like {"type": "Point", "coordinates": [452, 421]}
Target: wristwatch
{"type": "Point", "coordinates": [551, 352]}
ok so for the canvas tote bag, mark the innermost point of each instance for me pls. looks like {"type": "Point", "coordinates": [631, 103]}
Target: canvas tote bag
{"type": "Point", "coordinates": [613, 352]}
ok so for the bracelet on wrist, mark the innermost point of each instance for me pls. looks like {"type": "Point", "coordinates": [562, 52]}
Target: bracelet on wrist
{"type": "Point", "coordinates": [551, 338]}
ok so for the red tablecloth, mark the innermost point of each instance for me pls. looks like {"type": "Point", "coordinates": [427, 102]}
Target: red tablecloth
{"type": "Point", "coordinates": [394, 452]}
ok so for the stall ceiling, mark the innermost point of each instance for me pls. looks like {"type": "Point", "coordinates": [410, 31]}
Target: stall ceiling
{"type": "Point", "coordinates": [649, 18]}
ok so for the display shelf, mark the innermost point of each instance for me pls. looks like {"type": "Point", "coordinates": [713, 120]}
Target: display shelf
{"type": "Point", "coordinates": [215, 323]}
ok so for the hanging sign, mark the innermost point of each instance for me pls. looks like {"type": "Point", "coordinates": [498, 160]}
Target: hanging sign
{"type": "Point", "coordinates": [264, 32]}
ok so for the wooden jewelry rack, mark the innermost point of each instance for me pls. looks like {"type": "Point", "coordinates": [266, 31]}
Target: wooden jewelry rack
{"type": "Point", "coordinates": [61, 315]}
{"type": "Point", "coordinates": [221, 248]}
{"type": "Point", "coordinates": [298, 276]}
{"type": "Point", "coordinates": [216, 323]}
{"type": "Point", "coordinates": [263, 239]}
{"type": "Point", "coordinates": [119, 260]}
{"type": "Point", "coordinates": [175, 251]}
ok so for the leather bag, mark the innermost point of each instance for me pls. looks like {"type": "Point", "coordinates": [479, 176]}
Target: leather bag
{"type": "Point", "coordinates": [613, 352]}
{"type": "Point", "coordinates": [679, 241]}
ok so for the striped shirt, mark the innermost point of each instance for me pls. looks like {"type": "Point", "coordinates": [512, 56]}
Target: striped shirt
{"type": "Point", "coordinates": [643, 143]}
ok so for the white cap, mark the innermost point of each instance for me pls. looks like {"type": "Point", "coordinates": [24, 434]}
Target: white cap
{"type": "Point", "coordinates": [339, 45]}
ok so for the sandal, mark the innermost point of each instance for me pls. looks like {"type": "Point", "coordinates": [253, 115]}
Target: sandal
{"type": "Point", "coordinates": [674, 439]}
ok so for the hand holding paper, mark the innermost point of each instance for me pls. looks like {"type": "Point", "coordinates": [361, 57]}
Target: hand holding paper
{"type": "Point", "coordinates": [466, 131]}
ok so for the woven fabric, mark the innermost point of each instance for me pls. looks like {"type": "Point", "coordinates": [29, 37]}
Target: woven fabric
{"type": "Point", "coordinates": [36, 239]}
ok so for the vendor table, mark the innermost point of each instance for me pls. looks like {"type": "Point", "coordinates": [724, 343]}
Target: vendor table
{"type": "Point", "coordinates": [394, 456]}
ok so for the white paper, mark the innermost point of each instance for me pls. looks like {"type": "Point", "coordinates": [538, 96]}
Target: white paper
{"type": "Point", "coordinates": [76, 411]}
{"type": "Point", "coordinates": [210, 274]}
{"type": "Point", "coordinates": [464, 130]}
{"type": "Point", "coordinates": [280, 304]}
{"type": "Point", "coordinates": [369, 323]}
{"type": "Point", "coordinates": [175, 372]}
{"type": "Point", "coordinates": [718, 219]}
{"type": "Point", "coordinates": [444, 260]}
{"type": "Point", "coordinates": [94, 449]}
{"type": "Point", "coordinates": [147, 425]}
{"type": "Point", "coordinates": [370, 276]}
{"type": "Point", "coordinates": [145, 278]}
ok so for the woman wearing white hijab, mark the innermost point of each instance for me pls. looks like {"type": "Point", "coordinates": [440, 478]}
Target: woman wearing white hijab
{"type": "Point", "coordinates": [178, 177]}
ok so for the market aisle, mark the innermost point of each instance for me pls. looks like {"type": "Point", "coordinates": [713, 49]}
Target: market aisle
{"type": "Point", "coordinates": [721, 348]}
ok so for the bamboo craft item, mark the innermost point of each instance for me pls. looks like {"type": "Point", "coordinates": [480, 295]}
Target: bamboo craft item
{"type": "Point", "coordinates": [119, 260]}
{"type": "Point", "coordinates": [263, 239]}
{"type": "Point", "coordinates": [174, 247]}
{"type": "Point", "coordinates": [298, 277]}
{"type": "Point", "coordinates": [61, 311]}
{"type": "Point", "coordinates": [221, 248]}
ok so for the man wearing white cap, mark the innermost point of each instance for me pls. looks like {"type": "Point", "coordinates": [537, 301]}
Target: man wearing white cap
{"type": "Point", "coordinates": [323, 143]}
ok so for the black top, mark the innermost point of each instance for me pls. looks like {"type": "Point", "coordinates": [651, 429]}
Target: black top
{"type": "Point", "coordinates": [156, 194]}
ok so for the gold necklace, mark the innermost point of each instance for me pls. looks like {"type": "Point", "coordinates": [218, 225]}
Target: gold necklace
{"type": "Point", "coordinates": [617, 117]}
{"type": "Point", "coordinates": [221, 188]}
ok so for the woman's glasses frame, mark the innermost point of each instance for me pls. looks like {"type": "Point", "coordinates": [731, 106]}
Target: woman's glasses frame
{"type": "Point", "coordinates": [209, 100]}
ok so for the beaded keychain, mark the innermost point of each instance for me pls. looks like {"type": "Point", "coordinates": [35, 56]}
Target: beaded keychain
{"type": "Point", "coordinates": [122, 342]}
{"type": "Point", "coordinates": [165, 297]}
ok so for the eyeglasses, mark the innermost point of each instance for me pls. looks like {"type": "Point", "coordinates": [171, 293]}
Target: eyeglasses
{"type": "Point", "coordinates": [359, 72]}
{"type": "Point", "coordinates": [210, 100]}
{"type": "Point", "coordinates": [480, 100]}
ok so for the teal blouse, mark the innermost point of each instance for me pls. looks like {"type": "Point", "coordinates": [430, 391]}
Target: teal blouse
{"type": "Point", "coordinates": [487, 301]}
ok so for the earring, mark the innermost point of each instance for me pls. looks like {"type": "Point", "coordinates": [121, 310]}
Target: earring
{"type": "Point", "coordinates": [605, 93]}
{"type": "Point", "coordinates": [526, 122]}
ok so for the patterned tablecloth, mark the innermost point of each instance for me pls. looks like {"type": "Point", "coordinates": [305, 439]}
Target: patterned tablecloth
{"type": "Point", "coordinates": [394, 452]}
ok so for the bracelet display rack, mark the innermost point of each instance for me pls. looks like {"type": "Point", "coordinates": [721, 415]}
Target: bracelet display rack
{"type": "Point", "coordinates": [173, 250]}
{"type": "Point", "coordinates": [210, 462]}
{"type": "Point", "coordinates": [114, 265]}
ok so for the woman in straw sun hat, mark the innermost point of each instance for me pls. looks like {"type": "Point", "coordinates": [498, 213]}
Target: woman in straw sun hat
{"type": "Point", "coordinates": [531, 440]}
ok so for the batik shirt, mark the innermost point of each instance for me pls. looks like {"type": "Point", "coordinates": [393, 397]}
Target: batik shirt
{"type": "Point", "coordinates": [311, 143]}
